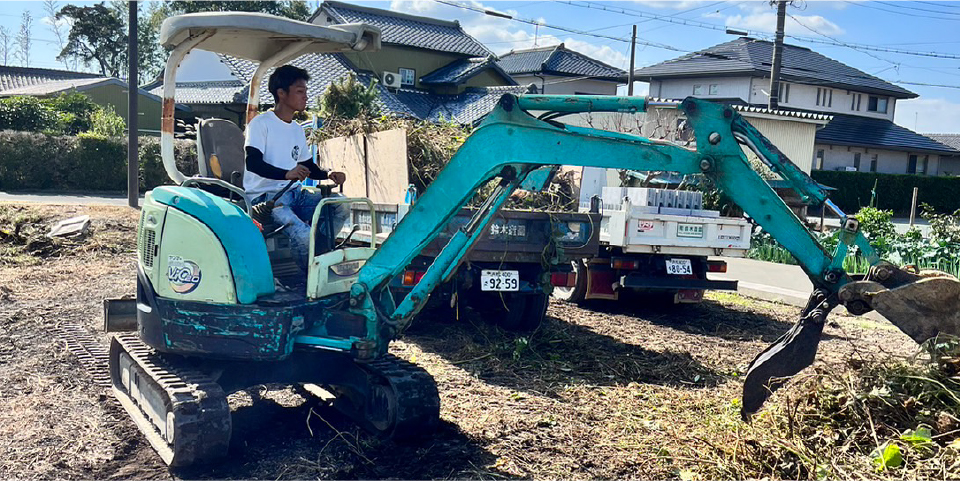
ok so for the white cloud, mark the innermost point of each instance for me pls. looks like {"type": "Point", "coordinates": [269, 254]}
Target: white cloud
{"type": "Point", "coordinates": [419, 7]}
{"type": "Point", "coordinates": [673, 5]}
{"type": "Point", "coordinates": [767, 22]}
{"type": "Point", "coordinates": [64, 23]}
{"type": "Point", "coordinates": [930, 115]}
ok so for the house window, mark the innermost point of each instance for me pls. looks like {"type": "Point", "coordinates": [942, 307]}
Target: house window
{"type": "Point", "coordinates": [818, 96]}
{"type": "Point", "coordinates": [697, 89]}
{"type": "Point", "coordinates": [819, 160]}
{"type": "Point", "coordinates": [829, 97]}
{"type": "Point", "coordinates": [408, 76]}
{"type": "Point", "coordinates": [912, 164]}
{"type": "Point", "coordinates": [714, 89]}
{"type": "Point", "coordinates": [877, 104]}
{"type": "Point", "coordinates": [855, 102]}
{"type": "Point", "coordinates": [856, 161]}
{"type": "Point", "coordinates": [784, 92]}
{"type": "Point", "coordinates": [922, 165]}
{"type": "Point", "coordinates": [873, 163]}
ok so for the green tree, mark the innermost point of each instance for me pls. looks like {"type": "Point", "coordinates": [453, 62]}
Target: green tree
{"type": "Point", "coordinates": [76, 111]}
{"type": "Point", "coordinates": [297, 9]}
{"type": "Point", "coordinates": [98, 34]}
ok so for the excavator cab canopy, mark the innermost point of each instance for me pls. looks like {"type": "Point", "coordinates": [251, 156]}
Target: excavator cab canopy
{"type": "Point", "coordinates": [265, 39]}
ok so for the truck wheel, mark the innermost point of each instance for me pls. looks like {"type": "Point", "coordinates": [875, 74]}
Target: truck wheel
{"type": "Point", "coordinates": [526, 312]}
{"type": "Point", "coordinates": [579, 290]}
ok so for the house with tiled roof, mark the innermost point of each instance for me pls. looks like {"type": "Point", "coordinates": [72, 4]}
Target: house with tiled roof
{"type": "Point", "coordinates": [106, 91]}
{"type": "Point", "coordinates": [949, 164]}
{"type": "Point", "coordinates": [559, 70]}
{"type": "Point", "coordinates": [861, 136]}
{"type": "Point", "coordinates": [443, 71]}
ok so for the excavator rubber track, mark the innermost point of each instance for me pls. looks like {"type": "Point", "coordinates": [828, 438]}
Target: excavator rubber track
{"type": "Point", "coordinates": [181, 411]}
{"type": "Point", "coordinates": [401, 402]}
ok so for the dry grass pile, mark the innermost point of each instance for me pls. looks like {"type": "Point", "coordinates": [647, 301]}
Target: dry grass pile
{"type": "Point", "coordinates": [878, 417]}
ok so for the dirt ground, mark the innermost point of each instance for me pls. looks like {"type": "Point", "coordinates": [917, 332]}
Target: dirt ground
{"type": "Point", "coordinates": [599, 391]}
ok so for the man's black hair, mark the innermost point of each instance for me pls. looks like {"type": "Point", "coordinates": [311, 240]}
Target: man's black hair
{"type": "Point", "coordinates": [283, 77]}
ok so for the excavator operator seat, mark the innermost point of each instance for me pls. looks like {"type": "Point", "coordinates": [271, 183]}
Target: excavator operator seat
{"type": "Point", "coordinates": [220, 151]}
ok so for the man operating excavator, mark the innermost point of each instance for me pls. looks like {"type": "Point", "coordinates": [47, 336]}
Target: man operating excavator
{"type": "Point", "coordinates": [277, 155]}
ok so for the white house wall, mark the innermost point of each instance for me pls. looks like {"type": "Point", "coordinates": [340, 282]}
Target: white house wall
{"type": "Point", "coordinates": [727, 88]}
{"type": "Point", "coordinates": [756, 91]}
{"type": "Point", "coordinates": [950, 165]}
{"type": "Point", "coordinates": [553, 85]}
{"type": "Point", "coordinates": [839, 157]}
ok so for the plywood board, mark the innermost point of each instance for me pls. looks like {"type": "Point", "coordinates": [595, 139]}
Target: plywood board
{"type": "Point", "coordinates": [387, 171]}
{"type": "Point", "coordinates": [345, 154]}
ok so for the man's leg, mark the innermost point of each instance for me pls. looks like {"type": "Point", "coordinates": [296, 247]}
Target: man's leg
{"type": "Point", "coordinates": [306, 203]}
{"type": "Point", "coordinates": [297, 230]}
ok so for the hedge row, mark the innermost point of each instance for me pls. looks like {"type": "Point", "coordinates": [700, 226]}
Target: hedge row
{"type": "Point", "coordinates": [894, 191]}
{"type": "Point", "coordinates": [86, 162]}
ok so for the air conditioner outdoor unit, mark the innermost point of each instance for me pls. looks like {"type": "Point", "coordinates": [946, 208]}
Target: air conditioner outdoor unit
{"type": "Point", "coordinates": [391, 79]}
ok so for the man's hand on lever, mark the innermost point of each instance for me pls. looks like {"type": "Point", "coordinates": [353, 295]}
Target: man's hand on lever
{"type": "Point", "coordinates": [297, 173]}
{"type": "Point", "coordinates": [337, 177]}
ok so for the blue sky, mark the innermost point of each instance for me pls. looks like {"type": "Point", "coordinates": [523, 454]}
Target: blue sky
{"type": "Point", "coordinates": [918, 26]}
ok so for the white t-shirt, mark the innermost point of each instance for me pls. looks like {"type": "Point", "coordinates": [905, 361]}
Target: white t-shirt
{"type": "Point", "coordinates": [283, 145]}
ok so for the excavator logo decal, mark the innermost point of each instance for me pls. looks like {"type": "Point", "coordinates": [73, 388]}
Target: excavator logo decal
{"type": "Point", "coordinates": [184, 275]}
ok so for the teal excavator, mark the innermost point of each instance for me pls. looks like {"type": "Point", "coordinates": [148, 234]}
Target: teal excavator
{"type": "Point", "coordinates": [209, 320]}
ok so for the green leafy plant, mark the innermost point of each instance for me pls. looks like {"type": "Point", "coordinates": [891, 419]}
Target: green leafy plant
{"type": "Point", "coordinates": [349, 99]}
{"type": "Point", "coordinates": [107, 123]}
{"type": "Point", "coordinates": [887, 456]}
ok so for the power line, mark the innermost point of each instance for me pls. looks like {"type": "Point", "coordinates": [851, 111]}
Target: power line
{"type": "Point", "coordinates": [938, 4]}
{"type": "Point", "coordinates": [494, 13]}
{"type": "Point", "coordinates": [754, 33]}
{"type": "Point", "coordinates": [916, 8]}
{"type": "Point", "coordinates": [838, 41]}
{"type": "Point", "coordinates": [918, 15]}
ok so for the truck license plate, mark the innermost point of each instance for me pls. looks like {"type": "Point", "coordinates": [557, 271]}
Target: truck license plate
{"type": "Point", "coordinates": [491, 280]}
{"type": "Point", "coordinates": [679, 267]}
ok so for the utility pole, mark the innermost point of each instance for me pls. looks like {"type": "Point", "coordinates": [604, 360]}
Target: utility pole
{"type": "Point", "coordinates": [133, 92]}
{"type": "Point", "coordinates": [777, 56]}
{"type": "Point", "coordinates": [633, 49]}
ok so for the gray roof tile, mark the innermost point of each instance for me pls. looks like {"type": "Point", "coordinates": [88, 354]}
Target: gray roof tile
{"type": "Point", "coordinates": [950, 140]}
{"type": "Point", "coordinates": [753, 57]}
{"type": "Point", "coordinates": [462, 70]}
{"type": "Point", "coordinates": [402, 29]}
{"type": "Point", "coordinates": [19, 77]}
{"type": "Point", "coordinates": [473, 104]}
{"type": "Point", "coordinates": [210, 92]}
{"type": "Point", "coordinates": [558, 60]}
{"type": "Point", "coordinates": [881, 133]}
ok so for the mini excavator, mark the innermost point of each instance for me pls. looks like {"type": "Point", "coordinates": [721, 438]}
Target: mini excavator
{"type": "Point", "coordinates": [210, 321]}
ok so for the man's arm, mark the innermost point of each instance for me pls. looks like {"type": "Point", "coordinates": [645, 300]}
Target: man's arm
{"type": "Point", "coordinates": [316, 173]}
{"type": "Point", "coordinates": [256, 164]}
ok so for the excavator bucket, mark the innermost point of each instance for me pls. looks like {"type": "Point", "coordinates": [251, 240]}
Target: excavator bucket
{"type": "Point", "coordinates": [921, 309]}
{"type": "Point", "coordinates": [922, 305]}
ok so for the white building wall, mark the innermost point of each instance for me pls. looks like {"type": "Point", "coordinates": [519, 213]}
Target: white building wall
{"type": "Point", "coordinates": [726, 88]}
{"type": "Point", "coordinates": [839, 157]}
{"type": "Point", "coordinates": [553, 85]}
{"type": "Point", "coordinates": [950, 165]}
{"type": "Point", "coordinates": [755, 91]}
{"type": "Point", "coordinates": [805, 97]}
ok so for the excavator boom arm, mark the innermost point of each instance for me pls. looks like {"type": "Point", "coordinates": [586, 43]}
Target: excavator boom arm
{"type": "Point", "coordinates": [513, 146]}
